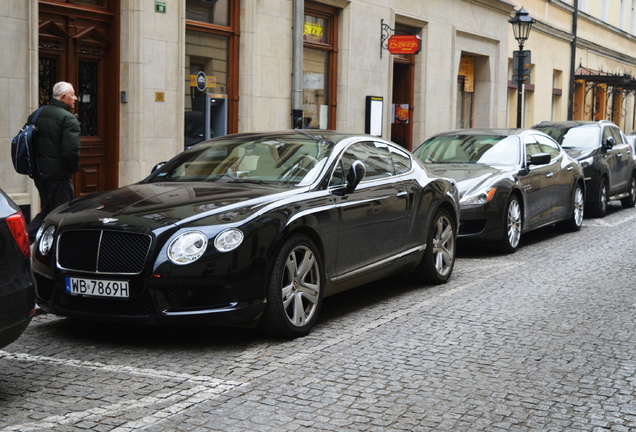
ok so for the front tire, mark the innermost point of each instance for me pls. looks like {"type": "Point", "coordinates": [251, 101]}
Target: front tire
{"type": "Point", "coordinates": [295, 289]}
{"type": "Point", "coordinates": [439, 257]}
{"type": "Point", "coordinates": [512, 224]}
{"type": "Point", "coordinates": [599, 206]}
{"type": "Point", "coordinates": [630, 200]}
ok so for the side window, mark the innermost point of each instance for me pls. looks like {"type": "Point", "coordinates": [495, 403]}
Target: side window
{"type": "Point", "coordinates": [375, 156]}
{"type": "Point", "coordinates": [607, 132]}
{"type": "Point", "coordinates": [401, 161]}
{"type": "Point", "coordinates": [616, 133]}
{"type": "Point", "coordinates": [548, 146]}
{"type": "Point", "coordinates": [339, 176]}
{"type": "Point", "coordinates": [532, 147]}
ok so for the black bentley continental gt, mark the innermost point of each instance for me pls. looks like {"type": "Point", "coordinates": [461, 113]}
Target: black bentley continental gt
{"type": "Point", "coordinates": [510, 181]}
{"type": "Point", "coordinates": [249, 229]}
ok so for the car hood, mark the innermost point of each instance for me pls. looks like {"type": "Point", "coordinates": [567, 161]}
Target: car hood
{"type": "Point", "coordinates": [470, 177]}
{"type": "Point", "coordinates": [155, 205]}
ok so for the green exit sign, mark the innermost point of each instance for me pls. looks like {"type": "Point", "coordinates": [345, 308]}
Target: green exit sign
{"type": "Point", "coordinates": [160, 6]}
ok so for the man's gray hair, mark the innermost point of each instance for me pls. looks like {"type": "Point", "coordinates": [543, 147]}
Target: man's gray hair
{"type": "Point", "coordinates": [61, 88]}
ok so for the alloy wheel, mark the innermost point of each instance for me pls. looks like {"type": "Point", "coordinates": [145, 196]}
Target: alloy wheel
{"type": "Point", "coordinates": [579, 204]}
{"type": "Point", "coordinates": [513, 224]}
{"type": "Point", "coordinates": [444, 245]}
{"type": "Point", "coordinates": [300, 286]}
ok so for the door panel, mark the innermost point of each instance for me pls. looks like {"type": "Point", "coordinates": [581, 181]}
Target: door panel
{"type": "Point", "coordinates": [372, 219]}
{"type": "Point", "coordinates": [537, 187]}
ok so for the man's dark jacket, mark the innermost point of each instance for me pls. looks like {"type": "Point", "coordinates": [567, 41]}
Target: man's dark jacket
{"type": "Point", "coordinates": [58, 141]}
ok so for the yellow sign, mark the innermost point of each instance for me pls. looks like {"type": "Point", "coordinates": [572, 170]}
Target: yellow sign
{"type": "Point", "coordinates": [313, 32]}
{"type": "Point", "coordinates": [467, 70]}
{"type": "Point", "coordinates": [210, 81]}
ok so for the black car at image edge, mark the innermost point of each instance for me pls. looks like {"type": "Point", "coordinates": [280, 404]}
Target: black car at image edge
{"type": "Point", "coordinates": [17, 284]}
{"type": "Point", "coordinates": [249, 229]}
{"type": "Point", "coordinates": [606, 157]}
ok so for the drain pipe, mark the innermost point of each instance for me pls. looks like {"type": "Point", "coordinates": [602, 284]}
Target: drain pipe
{"type": "Point", "coordinates": [575, 19]}
{"type": "Point", "coordinates": [297, 64]}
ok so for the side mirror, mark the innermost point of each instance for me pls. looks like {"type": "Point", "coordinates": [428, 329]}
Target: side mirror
{"type": "Point", "coordinates": [540, 159]}
{"type": "Point", "coordinates": [354, 176]}
{"type": "Point", "coordinates": [609, 142]}
{"type": "Point", "coordinates": [156, 167]}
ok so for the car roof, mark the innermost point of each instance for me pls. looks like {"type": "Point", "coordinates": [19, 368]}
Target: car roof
{"type": "Point", "coordinates": [567, 124]}
{"type": "Point", "coordinates": [317, 134]}
{"type": "Point", "coordinates": [491, 131]}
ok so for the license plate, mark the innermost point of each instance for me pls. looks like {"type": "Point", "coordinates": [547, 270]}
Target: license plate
{"type": "Point", "coordinates": [97, 287]}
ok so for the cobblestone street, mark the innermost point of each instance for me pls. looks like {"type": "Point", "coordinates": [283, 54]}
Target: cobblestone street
{"type": "Point", "coordinates": [541, 340]}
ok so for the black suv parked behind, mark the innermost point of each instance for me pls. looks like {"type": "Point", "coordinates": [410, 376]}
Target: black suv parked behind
{"type": "Point", "coordinates": [606, 158]}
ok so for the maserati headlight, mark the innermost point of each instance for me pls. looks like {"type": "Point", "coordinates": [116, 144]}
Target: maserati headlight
{"type": "Point", "coordinates": [228, 240]}
{"type": "Point", "coordinates": [481, 197]}
{"type": "Point", "coordinates": [46, 239]}
{"type": "Point", "coordinates": [187, 248]}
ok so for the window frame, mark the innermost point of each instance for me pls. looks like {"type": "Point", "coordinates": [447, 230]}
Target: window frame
{"type": "Point", "coordinates": [330, 14]}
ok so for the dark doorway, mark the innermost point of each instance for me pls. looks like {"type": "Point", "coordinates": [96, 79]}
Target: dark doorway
{"type": "Point", "coordinates": [402, 101]}
{"type": "Point", "coordinates": [80, 44]}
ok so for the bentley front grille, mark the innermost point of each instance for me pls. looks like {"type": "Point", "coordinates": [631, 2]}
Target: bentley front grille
{"type": "Point", "coordinates": [101, 251]}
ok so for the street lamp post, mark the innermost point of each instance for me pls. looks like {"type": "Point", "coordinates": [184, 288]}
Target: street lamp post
{"type": "Point", "coordinates": [521, 26]}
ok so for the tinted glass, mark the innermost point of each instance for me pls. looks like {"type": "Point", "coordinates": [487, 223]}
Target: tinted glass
{"type": "Point", "coordinates": [616, 133]}
{"type": "Point", "coordinates": [401, 161]}
{"type": "Point", "coordinates": [288, 161]}
{"type": "Point", "coordinates": [583, 137]}
{"type": "Point", "coordinates": [532, 147]}
{"type": "Point", "coordinates": [486, 149]}
{"type": "Point", "coordinates": [375, 157]}
{"type": "Point", "coordinates": [548, 146]}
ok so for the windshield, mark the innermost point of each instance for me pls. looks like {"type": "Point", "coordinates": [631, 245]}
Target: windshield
{"type": "Point", "coordinates": [580, 137]}
{"type": "Point", "coordinates": [484, 149]}
{"type": "Point", "coordinates": [289, 160]}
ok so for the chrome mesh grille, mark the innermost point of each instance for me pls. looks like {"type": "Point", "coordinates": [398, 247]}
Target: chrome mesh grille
{"type": "Point", "coordinates": [101, 251]}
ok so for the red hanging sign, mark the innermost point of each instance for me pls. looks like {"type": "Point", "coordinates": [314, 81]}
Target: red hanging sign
{"type": "Point", "coordinates": [404, 44]}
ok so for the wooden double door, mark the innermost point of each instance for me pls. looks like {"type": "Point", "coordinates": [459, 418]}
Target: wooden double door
{"type": "Point", "coordinates": [80, 44]}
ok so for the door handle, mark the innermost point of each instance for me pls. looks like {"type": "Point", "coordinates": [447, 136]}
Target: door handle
{"type": "Point", "coordinates": [570, 168]}
{"type": "Point", "coordinates": [402, 194]}
{"type": "Point", "coordinates": [549, 175]}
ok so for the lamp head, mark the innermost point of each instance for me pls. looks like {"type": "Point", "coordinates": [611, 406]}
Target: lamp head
{"type": "Point", "coordinates": [521, 25]}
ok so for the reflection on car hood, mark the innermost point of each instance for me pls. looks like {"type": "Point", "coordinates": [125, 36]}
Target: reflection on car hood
{"type": "Point", "coordinates": [578, 153]}
{"type": "Point", "coordinates": [469, 177]}
{"type": "Point", "coordinates": [154, 205]}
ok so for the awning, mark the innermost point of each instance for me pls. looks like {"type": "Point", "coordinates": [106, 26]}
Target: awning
{"type": "Point", "coordinates": [618, 81]}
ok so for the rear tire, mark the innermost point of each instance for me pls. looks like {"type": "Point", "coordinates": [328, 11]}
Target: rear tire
{"type": "Point", "coordinates": [512, 223]}
{"type": "Point", "coordinates": [295, 289]}
{"type": "Point", "coordinates": [630, 200]}
{"type": "Point", "coordinates": [599, 206]}
{"type": "Point", "coordinates": [439, 257]}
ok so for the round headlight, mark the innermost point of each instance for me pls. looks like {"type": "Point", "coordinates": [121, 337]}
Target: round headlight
{"type": "Point", "coordinates": [188, 247]}
{"type": "Point", "coordinates": [228, 240]}
{"type": "Point", "coordinates": [46, 240]}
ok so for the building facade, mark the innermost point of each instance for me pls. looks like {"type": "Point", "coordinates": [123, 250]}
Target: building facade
{"type": "Point", "coordinates": [583, 64]}
{"type": "Point", "coordinates": [154, 76]}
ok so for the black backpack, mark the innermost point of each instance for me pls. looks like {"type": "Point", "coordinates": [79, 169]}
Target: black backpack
{"type": "Point", "coordinates": [24, 152]}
